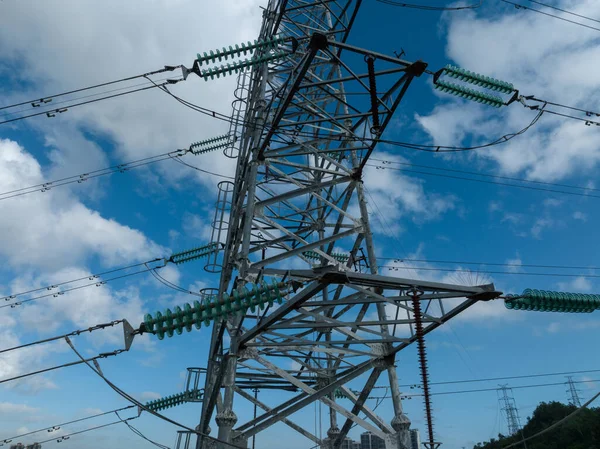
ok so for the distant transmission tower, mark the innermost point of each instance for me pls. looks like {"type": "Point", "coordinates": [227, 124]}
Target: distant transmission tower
{"type": "Point", "coordinates": [509, 407]}
{"type": "Point", "coordinates": [573, 393]}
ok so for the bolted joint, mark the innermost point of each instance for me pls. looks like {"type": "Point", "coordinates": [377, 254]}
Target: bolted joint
{"type": "Point", "coordinates": [248, 353]}
{"type": "Point", "coordinates": [400, 423]}
{"type": "Point", "coordinates": [380, 364]}
{"type": "Point", "coordinates": [322, 381]}
{"type": "Point", "coordinates": [318, 41]}
{"type": "Point", "coordinates": [418, 68]}
{"type": "Point", "coordinates": [226, 418]}
{"type": "Point", "coordinates": [356, 174]}
{"type": "Point", "coordinates": [333, 432]}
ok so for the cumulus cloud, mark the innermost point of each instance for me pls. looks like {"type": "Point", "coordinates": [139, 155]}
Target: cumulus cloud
{"type": "Point", "coordinates": [514, 264]}
{"type": "Point", "coordinates": [557, 63]}
{"type": "Point", "coordinates": [149, 396]}
{"type": "Point", "coordinates": [46, 238]}
{"type": "Point", "coordinates": [392, 195]}
{"type": "Point", "coordinates": [25, 360]}
{"type": "Point", "coordinates": [53, 228]}
{"type": "Point", "coordinates": [580, 284]}
{"type": "Point", "coordinates": [10, 408]}
{"type": "Point", "coordinates": [93, 43]}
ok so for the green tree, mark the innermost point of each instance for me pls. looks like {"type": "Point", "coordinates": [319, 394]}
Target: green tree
{"type": "Point", "coordinates": [580, 432]}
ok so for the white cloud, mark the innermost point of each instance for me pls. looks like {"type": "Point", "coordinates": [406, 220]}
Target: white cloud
{"type": "Point", "coordinates": [578, 285]}
{"type": "Point", "coordinates": [25, 360]}
{"type": "Point", "coordinates": [84, 52]}
{"type": "Point", "coordinates": [53, 228]}
{"type": "Point", "coordinates": [392, 195]}
{"type": "Point", "coordinates": [197, 227]}
{"type": "Point", "coordinates": [539, 225]}
{"type": "Point", "coordinates": [557, 64]}
{"type": "Point", "coordinates": [149, 396]}
{"type": "Point", "coordinates": [589, 382]}
{"type": "Point", "coordinates": [578, 215]}
{"type": "Point", "coordinates": [10, 408]}
{"type": "Point", "coordinates": [552, 202]}
{"type": "Point", "coordinates": [514, 264]}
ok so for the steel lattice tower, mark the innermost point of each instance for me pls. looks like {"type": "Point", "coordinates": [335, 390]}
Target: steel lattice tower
{"type": "Point", "coordinates": [510, 409]}
{"type": "Point", "coordinates": [573, 393]}
{"type": "Point", "coordinates": [303, 130]}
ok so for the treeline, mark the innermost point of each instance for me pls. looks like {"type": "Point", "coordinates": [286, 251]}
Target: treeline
{"type": "Point", "coordinates": [582, 431]}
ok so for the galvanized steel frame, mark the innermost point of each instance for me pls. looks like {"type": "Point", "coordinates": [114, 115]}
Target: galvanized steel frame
{"type": "Point", "coordinates": [298, 187]}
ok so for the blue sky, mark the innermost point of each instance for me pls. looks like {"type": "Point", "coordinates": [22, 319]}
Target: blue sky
{"type": "Point", "coordinates": [117, 220]}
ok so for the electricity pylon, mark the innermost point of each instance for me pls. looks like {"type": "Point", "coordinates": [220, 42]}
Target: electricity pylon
{"type": "Point", "coordinates": [303, 129]}
{"type": "Point", "coordinates": [573, 392]}
{"type": "Point", "coordinates": [510, 409]}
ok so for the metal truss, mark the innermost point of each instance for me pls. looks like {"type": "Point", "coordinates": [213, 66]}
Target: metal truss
{"type": "Point", "coordinates": [310, 126]}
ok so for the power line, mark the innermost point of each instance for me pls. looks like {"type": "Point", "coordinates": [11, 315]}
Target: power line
{"type": "Point", "coordinates": [462, 262]}
{"type": "Point", "coordinates": [519, 6]}
{"type": "Point", "coordinates": [48, 108]}
{"type": "Point", "coordinates": [494, 379]}
{"type": "Point", "coordinates": [453, 149]}
{"type": "Point", "coordinates": [119, 168]}
{"type": "Point", "coordinates": [66, 437]}
{"type": "Point", "coordinates": [170, 284]}
{"type": "Point", "coordinates": [178, 160]}
{"type": "Point", "coordinates": [64, 365]}
{"type": "Point", "coordinates": [90, 277]}
{"type": "Point", "coordinates": [53, 112]}
{"type": "Point", "coordinates": [142, 406]}
{"type": "Point", "coordinates": [62, 292]}
{"type": "Point", "coordinates": [565, 11]}
{"type": "Point", "coordinates": [60, 337]}
{"type": "Point", "coordinates": [481, 390]}
{"type": "Point", "coordinates": [487, 175]}
{"type": "Point", "coordinates": [428, 7]}
{"type": "Point", "coordinates": [49, 98]}
{"type": "Point", "coordinates": [140, 434]}
{"type": "Point", "coordinates": [483, 181]}
{"type": "Point", "coordinates": [510, 273]}
{"type": "Point", "coordinates": [58, 426]}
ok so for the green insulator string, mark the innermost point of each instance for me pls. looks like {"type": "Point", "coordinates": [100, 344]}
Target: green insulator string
{"type": "Point", "coordinates": [208, 145]}
{"type": "Point", "coordinates": [340, 257]}
{"type": "Point", "coordinates": [194, 253]}
{"type": "Point", "coordinates": [469, 94]}
{"type": "Point", "coordinates": [478, 80]}
{"type": "Point", "coordinates": [339, 394]}
{"type": "Point", "coordinates": [214, 308]}
{"type": "Point", "coordinates": [237, 50]}
{"type": "Point", "coordinates": [175, 400]}
{"type": "Point", "coordinates": [235, 67]}
{"type": "Point", "coordinates": [550, 301]}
